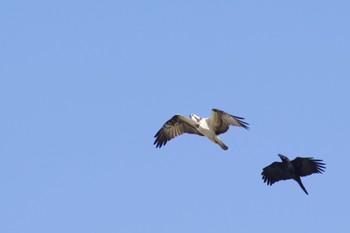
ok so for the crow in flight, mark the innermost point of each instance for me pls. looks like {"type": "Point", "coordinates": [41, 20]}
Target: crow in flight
{"type": "Point", "coordinates": [292, 169]}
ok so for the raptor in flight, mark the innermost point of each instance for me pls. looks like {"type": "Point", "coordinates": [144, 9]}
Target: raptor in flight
{"type": "Point", "coordinates": [211, 127]}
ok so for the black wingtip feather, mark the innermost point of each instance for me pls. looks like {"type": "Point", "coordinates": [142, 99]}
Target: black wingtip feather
{"type": "Point", "coordinates": [320, 165]}
{"type": "Point", "coordinates": [241, 122]}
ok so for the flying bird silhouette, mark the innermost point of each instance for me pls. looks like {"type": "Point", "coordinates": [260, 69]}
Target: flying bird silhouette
{"type": "Point", "coordinates": [211, 127]}
{"type": "Point", "coordinates": [292, 169]}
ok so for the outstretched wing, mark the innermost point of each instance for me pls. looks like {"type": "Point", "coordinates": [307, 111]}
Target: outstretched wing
{"type": "Point", "coordinates": [174, 127]}
{"type": "Point", "coordinates": [308, 166]}
{"type": "Point", "coordinates": [275, 172]}
{"type": "Point", "coordinates": [220, 121]}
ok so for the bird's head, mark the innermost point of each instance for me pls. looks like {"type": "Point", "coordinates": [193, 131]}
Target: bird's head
{"type": "Point", "coordinates": [195, 118]}
{"type": "Point", "coordinates": [283, 158]}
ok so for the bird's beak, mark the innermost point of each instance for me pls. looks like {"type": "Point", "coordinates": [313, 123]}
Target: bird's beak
{"type": "Point", "coordinates": [280, 155]}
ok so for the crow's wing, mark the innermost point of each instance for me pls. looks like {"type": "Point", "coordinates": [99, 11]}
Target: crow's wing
{"type": "Point", "coordinates": [308, 166]}
{"type": "Point", "coordinates": [275, 172]}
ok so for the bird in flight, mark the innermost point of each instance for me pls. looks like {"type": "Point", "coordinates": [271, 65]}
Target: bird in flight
{"type": "Point", "coordinates": [292, 169]}
{"type": "Point", "coordinates": [211, 127]}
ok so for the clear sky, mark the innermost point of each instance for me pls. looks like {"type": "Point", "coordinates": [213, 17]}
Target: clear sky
{"type": "Point", "coordinates": [85, 85]}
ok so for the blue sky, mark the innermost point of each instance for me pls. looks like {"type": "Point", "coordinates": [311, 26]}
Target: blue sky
{"type": "Point", "coordinates": [85, 85]}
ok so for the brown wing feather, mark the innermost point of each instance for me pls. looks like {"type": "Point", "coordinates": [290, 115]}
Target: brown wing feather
{"type": "Point", "coordinates": [275, 172]}
{"type": "Point", "coordinates": [174, 127]}
{"type": "Point", "coordinates": [308, 166]}
{"type": "Point", "coordinates": [222, 120]}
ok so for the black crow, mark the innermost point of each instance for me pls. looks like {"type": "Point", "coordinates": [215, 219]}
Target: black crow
{"type": "Point", "coordinates": [292, 169]}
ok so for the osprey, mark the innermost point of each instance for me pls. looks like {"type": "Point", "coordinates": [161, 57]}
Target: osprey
{"type": "Point", "coordinates": [211, 127]}
{"type": "Point", "coordinates": [292, 169]}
